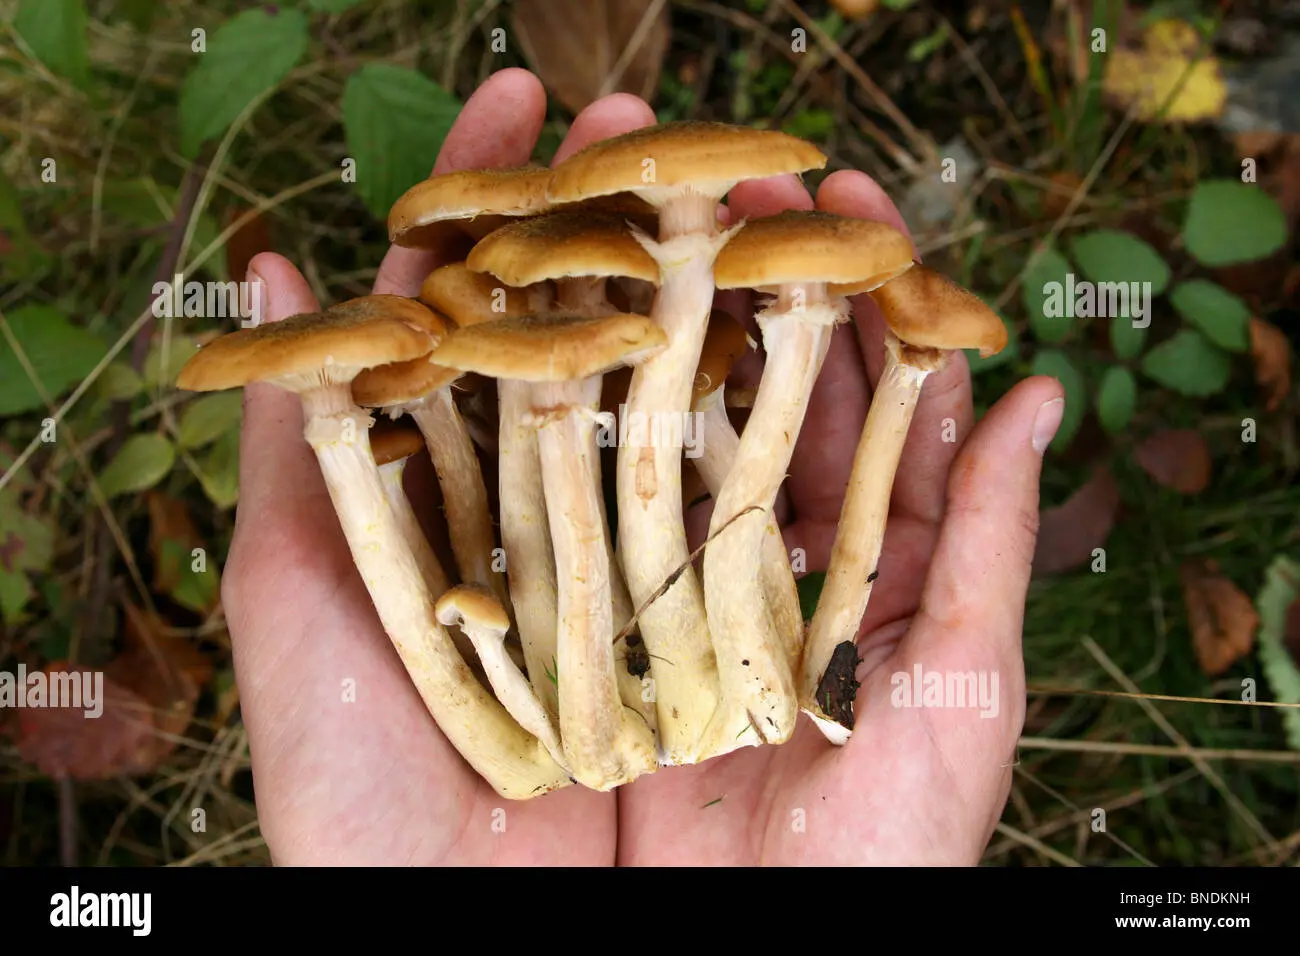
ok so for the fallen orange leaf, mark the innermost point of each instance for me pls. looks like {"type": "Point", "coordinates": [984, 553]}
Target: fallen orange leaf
{"type": "Point", "coordinates": [1069, 533]}
{"type": "Point", "coordinates": [1272, 352]}
{"type": "Point", "coordinates": [1179, 460]}
{"type": "Point", "coordinates": [1222, 617]}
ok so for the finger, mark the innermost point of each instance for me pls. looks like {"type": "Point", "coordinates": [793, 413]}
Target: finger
{"type": "Point", "coordinates": [274, 461]}
{"type": "Point", "coordinates": [980, 572]}
{"type": "Point", "coordinates": [609, 116]}
{"type": "Point", "coordinates": [497, 128]}
{"type": "Point", "coordinates": [945, 412]}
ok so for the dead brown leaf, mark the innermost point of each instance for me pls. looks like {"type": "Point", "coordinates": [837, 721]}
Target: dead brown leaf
{"type": "Point", "coordinates": [172, 536]}
{"type": "Point", "coordinates": [585, 49]}
{"type": "Point", "coordinates": [1272, 352]}
{"type": "Point", "coordinates": [1069, 533]}
{"type": "Point", "coordinates": [1222, 617]}
{"type": "Point", "coordinates": [249, 240]}
{"type": "Point", "coordinates": [855, 9]}
{"type": "Point", "coordinates": [1179, 460]}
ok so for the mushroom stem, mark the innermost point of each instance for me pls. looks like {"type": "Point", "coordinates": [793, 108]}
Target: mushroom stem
{"type": "Point", "coordinates": [652, 535]}
{"type": "Point", "coordinates": [464, 496]}
{"type": "Point", "coordinates": [717, 457]}
{"type": "Point", "coordinates": [513, 762]}
{"type": "Point", "coordinates": [606, 744]}
{"type": "Point", "coordinates": [755, 672]}
{"type": "Point", "coordinates": [860, 535]}
{"type": "Point", "coordinates": [509, 684]}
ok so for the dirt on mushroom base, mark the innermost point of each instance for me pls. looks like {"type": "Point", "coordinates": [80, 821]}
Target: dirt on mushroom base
{"type": "Point", "coordinates": [839, 685]}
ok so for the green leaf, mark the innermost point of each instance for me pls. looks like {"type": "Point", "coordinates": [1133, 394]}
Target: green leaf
{"type": "Point", "coordinates": [60, 354]}
{"type": "Point", "coordinates": [1116, 398]}
{"type": "Point", "coordinates": [1058, 365]}
{"type": "Point", "coordinates": [1127, 339]}
{"type": "Point", "coordinates": [26, 541]}
{"type": "Point", "coordinates": [166, 358]}
{"type": "Point", "coordinates": [15, 594]}
{"type": "Point", "coordinates": [197, 590]}
{"type": "Point", "coordinates": [1043, 293]}
{"type": "Point", "coordinates": [119, 382]}
{"type": "Point", "coordinates": [1188, 364]}
{"type": "Point", "coordinates": [219, 471]}
{"type": "Point", "coordinates": [1110, 255]}
{"type": "Point", "coordinates": [1281, 589]}
{"type": "Point", "coordinates": [56, 32]}
{"type": "Point", "coordinates": [334, 6]}
{"type": "Point", "coordinates": [143, 461]}
{"type": "Point", "coordinates": [810, 589]}
{"type": "Point", "coordinates": [1221, 316]}
{"type": "Point", "coordinates": [1230, 222]}
{"type": "Point", "coordinates": [395, 121]}
{"type": "Point", "coordinates": [24, 255]}
{"type": "Point", "coordinates": [811, 124]}
{"type": "Point", "coordinates": [925, 47]}
{"type": "Point", "coordinates": [209, 417]}
{"type": "Point", "coordinates": [246, 56]}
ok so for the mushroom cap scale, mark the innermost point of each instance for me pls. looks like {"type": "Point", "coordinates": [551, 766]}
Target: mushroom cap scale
{"type": "Point", "coordinates": [926, 309]}
{"type": "Point", "coordinates": [561, 245]}
{"type": "Point", "coordinates": [474, 605]}
{"type": "Point", "coordinates": [811, 246]}
{"type": "Point", "coordinates": [392, 440]}
{"type": "Point", "coordinates": [468, 297]}
{"type": "Point", "coordinates": [440, 204]}
{"type": "Point", "coordinates": [671, 155]}
{"type": "Point", "coordinates": [315, 348]}
{"type": "Point", "coordinates": [551, 346]}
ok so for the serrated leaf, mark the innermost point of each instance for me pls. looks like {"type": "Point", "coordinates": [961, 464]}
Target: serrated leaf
{"type": "Point", "coordinates": [1280, 591]}
{"type": "Point", "coordinates": [1111, 255]}
{"type": "Point", "coordinates": [1043, 293]}
{"type": "Point", "coordinates": [1230, 222]}
{"type": "Point", "coordinates": [1127, 339]}
{"type": "Point", "coordinates": [1188, 364]}
{"type": "Point", "coordinates": [209, 417]}
{"type": "Point", "coordinates": [142, 462]}
{"type": "Point", "coordinates": [60, 354]}
{"type": "Point", "coordinates": [56, 32]}
{"type": "Point", "coordinates": [1058, 365]}
{"type": "Point", "coordinates": [1116, 398]}
{"type": "Point", "coordinates": [1221, 316]}
{"type": "Point", "coordinates": [219, 471]}
{"type": "Point", "coordinates": [246, 56]}
{"type": "Point", "coordinates": [395, 121]}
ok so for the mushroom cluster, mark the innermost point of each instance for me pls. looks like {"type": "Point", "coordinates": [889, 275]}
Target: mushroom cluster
{"type": "Point", "coordinates": [588, 647]}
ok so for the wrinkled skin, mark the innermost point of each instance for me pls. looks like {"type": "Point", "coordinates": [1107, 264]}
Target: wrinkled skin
{"type": "Point", "coordinates": [374, 782]}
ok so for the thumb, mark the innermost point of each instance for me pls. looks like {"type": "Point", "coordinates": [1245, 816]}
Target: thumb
{"type": "Point", "coordinates": [979, 575]}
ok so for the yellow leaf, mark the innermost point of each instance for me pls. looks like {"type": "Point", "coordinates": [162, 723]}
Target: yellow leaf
{"type": "Point", "coordinates": [1145, 79]}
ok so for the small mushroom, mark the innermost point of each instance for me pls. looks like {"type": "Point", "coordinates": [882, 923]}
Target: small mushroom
{"type": "Point", "coordinates": [469, 202]}
{"type": "Point", "coordinates": [483, 620]}
{"type": "Point", "coordinates": [927, 316]}
{"type": "Point", "coordinates": [795, 255]}
{"type": "Point", "coordinates": [421, 389]}
{"type": "Point", "coordinates": [683, 170]}
{"type": "Point", "coordinates": [317, 356]}
{"type": "Point", "coordinates": [606, 745]}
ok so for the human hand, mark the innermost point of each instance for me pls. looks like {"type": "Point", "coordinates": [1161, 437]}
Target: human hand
{"type": "Point", "coordinates": [913, 785]}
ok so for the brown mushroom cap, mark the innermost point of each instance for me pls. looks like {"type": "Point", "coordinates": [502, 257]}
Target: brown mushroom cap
{"type": "Point", "coordinates": [473, 603]}
{"type": "Point", "coordinates": [400, 382]}
{"type": "Point", "coordinates": [428, 211]}
{"type": "Point", "coordinates": [561, 245]}
{"type": "Point", "coordinates": [392, 440]}
{"type": "Point", "coordinates": [811, 246]}
{"type": "Point", "coordinates": [327, 347]}
{"type": "Point", "coordinates": [468, 297]}
{"type": "Point", "coordinates": [926, 309]}
{"type": "Point", "coordinates": [683, 153]}
{"type": "Point", "coordinates": [724, 343]}
{"type": "Point", "coordinates": [551, 346]}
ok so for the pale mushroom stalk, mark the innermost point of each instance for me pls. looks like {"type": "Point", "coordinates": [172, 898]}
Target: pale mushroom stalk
{"type": "Point", "coordinates": [717, 458]}
{"type": "Point", "coordinates": [861, 535]}
{"type": "Point", "coordinates": [431, 571]}
{"type": "Point", "coordinates": [753, 663]}
{"type": "Point", "coordinates": [511, 760]}
{"type": "Point", "coordinates": [485, 622]}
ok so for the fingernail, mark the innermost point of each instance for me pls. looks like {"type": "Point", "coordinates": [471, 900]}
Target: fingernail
{"type": "Point", "coordinates": [258, 299]}
{"type": "Point", "coordinates": [1046, 422]}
